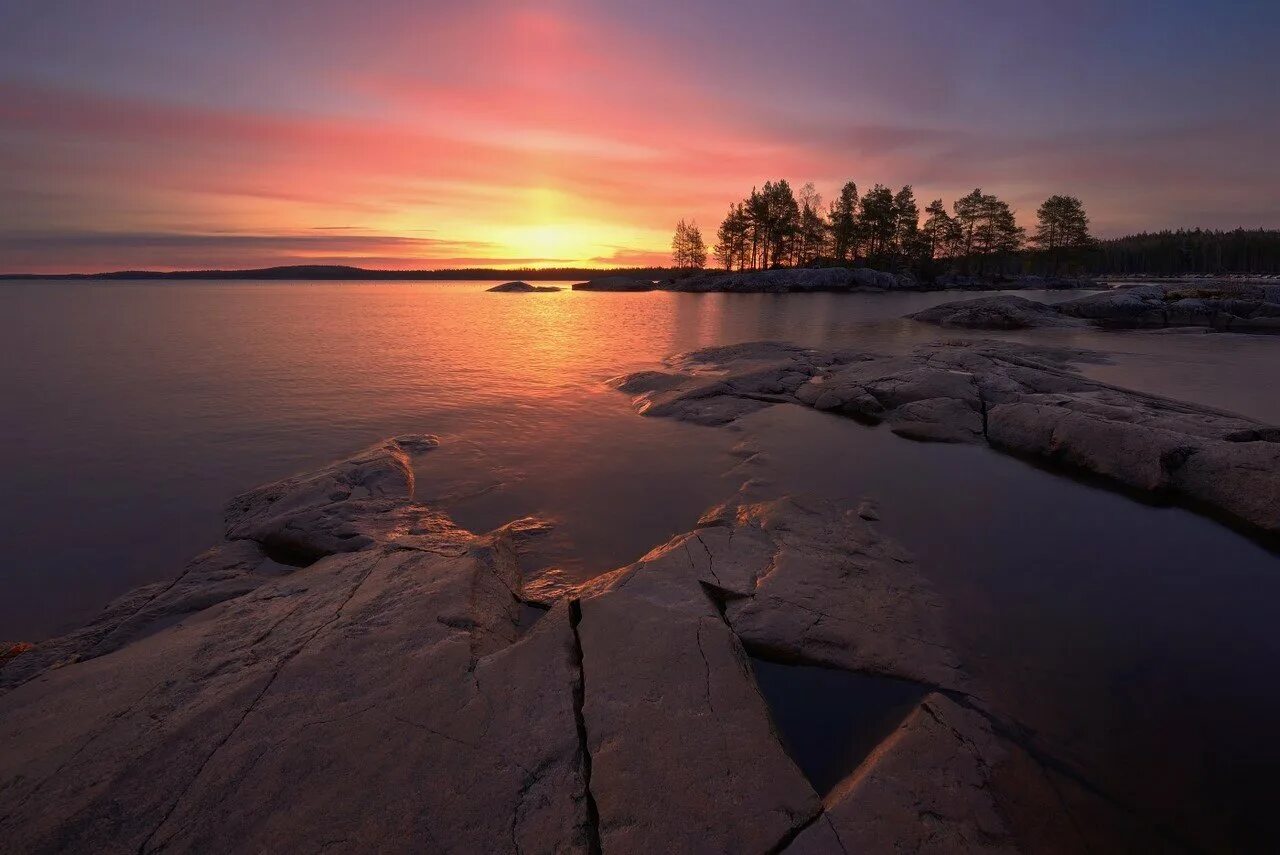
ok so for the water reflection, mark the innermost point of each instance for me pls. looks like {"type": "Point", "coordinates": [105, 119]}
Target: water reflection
{"type": "Point", "coordinates": [1139, 639]}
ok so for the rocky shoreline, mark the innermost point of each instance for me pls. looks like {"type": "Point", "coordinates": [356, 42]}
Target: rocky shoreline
{"type": "Point", "coordinates": [350, 670]}
{"type": "Point", "coordinates": [1225, 306]}
{"type": "Point", "coordinates": [1015, 398]}
{"type": "Point", "coordinates": [825, 280]}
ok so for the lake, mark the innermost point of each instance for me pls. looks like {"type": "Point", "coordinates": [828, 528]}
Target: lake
{"type": "Point", "coordinates": [1139, 640]}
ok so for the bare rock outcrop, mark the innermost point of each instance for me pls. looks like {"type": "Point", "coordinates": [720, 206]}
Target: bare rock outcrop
{"type": "Point", "coordinates": [615, 283]}
{"type": "Point", "coordinates": [387, 696]}
{"type": "Point", "coordinates": [396, 695]}
{"type": "Point", "coordinates": [345, 507]}
{"type": "Point", "coordinates": [1221, 305]}
{"type": "Point", "coordinates": [1025, 400]}
{"type": "Point", "coordinates": [1229, 306]}
{"type": "Point", "coordinates": [886, 805]}
{"type": "Point", "coordinates": [522, 288]}
{"type": "Point", "coordinates": [1001, 312]}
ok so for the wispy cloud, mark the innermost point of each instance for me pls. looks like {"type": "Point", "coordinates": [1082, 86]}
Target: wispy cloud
{"type": "Point", "coordinates": [585, 130]}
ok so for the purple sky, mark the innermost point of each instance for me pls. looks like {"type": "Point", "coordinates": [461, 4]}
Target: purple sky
{"type": "Point", "coordinates": [421, 134]}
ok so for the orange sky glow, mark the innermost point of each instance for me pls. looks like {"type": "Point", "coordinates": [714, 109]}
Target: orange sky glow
{"type": "Point", "coordinates": [497, 135]}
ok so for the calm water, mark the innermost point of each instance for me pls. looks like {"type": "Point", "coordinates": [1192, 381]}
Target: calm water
{"type": "Point", "coordinates": [1138, 640]}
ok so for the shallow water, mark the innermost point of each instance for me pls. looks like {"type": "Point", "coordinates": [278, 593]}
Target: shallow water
{"type": "Point", "coordinates": [1138, 640]}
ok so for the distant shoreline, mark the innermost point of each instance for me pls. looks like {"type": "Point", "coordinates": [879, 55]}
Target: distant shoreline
{"type": "Point", "coordinates": [322, 273]}
{"type": "Point", "coordinates": [337, 273]}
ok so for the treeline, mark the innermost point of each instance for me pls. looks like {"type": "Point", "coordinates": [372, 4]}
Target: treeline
{"type": "Point", "coordinates": [775, 226]}
{"type": "Point", "coordinates": [1191, 251]}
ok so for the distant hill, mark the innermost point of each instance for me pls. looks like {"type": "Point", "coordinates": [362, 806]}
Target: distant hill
{"type": "Point", "coordinates": [330, 272]}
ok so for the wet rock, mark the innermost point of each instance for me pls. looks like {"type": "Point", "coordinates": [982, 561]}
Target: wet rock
{"type": "Point", "coordinates": [345, 507]}
{"type": "Point", "coordinates": [406, 696]}
{"type": "Point", "coordinates": [521, 288]}
{"type": "Point", "coordinates": [1017, 398]}
{"type": "Point", "coordinates": [1003, 312]}
{"type": "Point", "coordinates": [388, 698]}
{"type": "Point", "coordinates": [616, 283]}
{"type": "Point", "coordinates": [926, 788]}
{"type": "Point", "coordinates": [13, 649]}
{"type": "Point", "coordinates": [826, 588]}
{"type": "Point", "coordinates": [224, 572]}
{"type": "Point", "coordinates": [683, 757]}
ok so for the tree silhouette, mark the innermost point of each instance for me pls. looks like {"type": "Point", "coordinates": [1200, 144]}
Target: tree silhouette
{"type": "Point", "coordinates": [811, 231]}
{"type": "Point", "coordinates": [941, 233]}
{"type": "Point", "coordinates": [687, 247]}
{"type": "Point", "coordinates": [906, 219]}
{"type": "Point", "coordinates": [842, 223]}
{"type": "Point", "coordinates": [878, 223]}
{"type": "Point", "coordinates": [987, 227]}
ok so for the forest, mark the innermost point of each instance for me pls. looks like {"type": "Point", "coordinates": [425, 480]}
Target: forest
{"type": "Point", "coordinates": [775, 226]}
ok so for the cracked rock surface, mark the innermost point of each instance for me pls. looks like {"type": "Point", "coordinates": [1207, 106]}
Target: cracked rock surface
{"type": "Point", "coordinates": [393, 694]}
{"type": "Point", "coordinates": [1017, 398]}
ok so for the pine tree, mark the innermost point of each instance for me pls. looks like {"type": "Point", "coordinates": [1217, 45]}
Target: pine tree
{"type": "Point", "coordinates": [695, 247]}
{"type": "Point", "coordinates": [987, 227]}
{"type": "Point", "coordinates": [687, 247]}
{"type": "Point", "coordinates": [811, 234]}
{"type": "Point", "coordinates": [941, 233]}
{"type": "Point", "coordinates": [732, 238]}
{"type": "Point", "coordinates": [878, 223]}
{"type": "Point", "coordinates": [1062, 224]}
{"type": "Point", "coordinates": [842, 223]}
{"type": "Point", "coordinates": [906, 217]}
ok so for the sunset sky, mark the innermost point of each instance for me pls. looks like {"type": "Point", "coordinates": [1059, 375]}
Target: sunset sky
{"type": "Point", "coordinates": [427, 134]}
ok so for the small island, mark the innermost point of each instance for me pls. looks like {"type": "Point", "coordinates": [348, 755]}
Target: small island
{"type": "Point", "coordinates": [521, 288]}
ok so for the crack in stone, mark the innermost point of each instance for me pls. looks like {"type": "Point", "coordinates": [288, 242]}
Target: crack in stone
{"type": "Point", "coordinates": [795, 831]}
{"type": "Point", "coordinates": [711, 562]}
{"type": "Point", "coordinates": [280, 666]}
{"type": "Point", "coordinates": [579, 699]}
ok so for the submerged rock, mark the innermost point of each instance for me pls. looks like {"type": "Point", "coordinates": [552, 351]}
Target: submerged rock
{"type": "Point", "coordinates": [1020, 399]}
{"type": "Point", "coordinates": [522, 288]}
{"type": "Point", "coordinates": [616, 283]}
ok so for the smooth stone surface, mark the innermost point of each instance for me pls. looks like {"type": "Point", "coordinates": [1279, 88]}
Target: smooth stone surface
{"type": "Point", "coordinates": [1017, 398]}
{"type": "Point", "coordinates": [325, 708]}
{"type": "Point", "coordinates": [522, 288]}
{"type": "Point", "coordinates": [406, 694]}
{"type": "Point", "coordinates": [1001, 312]}
{"type": "Point", "coordinates": [345, 507]}
{"type": "Point", "coordinates": [926, 788]}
